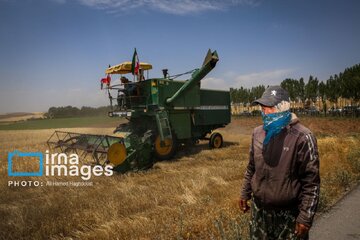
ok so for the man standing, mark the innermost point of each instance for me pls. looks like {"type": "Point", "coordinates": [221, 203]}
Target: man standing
{"type": "Point", "coordinates": [282, 176]}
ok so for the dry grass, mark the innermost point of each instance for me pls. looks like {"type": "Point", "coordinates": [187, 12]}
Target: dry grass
{"type": "Point", "coordinates": [193, 197]}
{"type": "Point", "coordinates": [21, 116]}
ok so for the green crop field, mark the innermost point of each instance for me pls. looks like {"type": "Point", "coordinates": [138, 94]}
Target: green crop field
{"type": "Point", "coordinates": [99, 121]}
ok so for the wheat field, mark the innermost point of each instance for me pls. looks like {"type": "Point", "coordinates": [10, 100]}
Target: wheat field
{"type": "Point", "coordinates": [192, 197]}
{"type": "Point", "coordinates": [20, 117]}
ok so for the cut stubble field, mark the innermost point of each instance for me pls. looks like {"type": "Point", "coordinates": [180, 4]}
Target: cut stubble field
{"type": "Point", "coordinates": [192, 197]}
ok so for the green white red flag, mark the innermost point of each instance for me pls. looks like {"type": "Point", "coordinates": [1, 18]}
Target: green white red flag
{"type": "Point", "coordinates": [135, 65]}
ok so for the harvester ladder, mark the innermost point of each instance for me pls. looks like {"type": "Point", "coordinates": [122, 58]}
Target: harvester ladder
{"type": "Point", "coordinates": [163, 124]}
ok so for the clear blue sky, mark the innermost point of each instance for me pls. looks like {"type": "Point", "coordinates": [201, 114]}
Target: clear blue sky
{"type": "Point", "coordinates": [53, 52]}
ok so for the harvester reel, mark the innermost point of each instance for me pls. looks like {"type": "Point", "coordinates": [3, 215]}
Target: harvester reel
{"type": "Point", "coordinates": [216, 140]}
{"type": "Point", "coordinates": [84, 145]}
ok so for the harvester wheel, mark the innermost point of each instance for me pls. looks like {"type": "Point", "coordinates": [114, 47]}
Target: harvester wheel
{"type": "Point", "coordinates": [117, 153]}
{"type": "Point", "coordinates": [166, 151]}
{"type": "Point", "coordinates": [216, 140]}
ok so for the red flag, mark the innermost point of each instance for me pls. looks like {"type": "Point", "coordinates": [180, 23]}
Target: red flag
{"type": "Point", "coordinates": [135, 65]}
{"type": "Point", "coordinates": [106, 80]}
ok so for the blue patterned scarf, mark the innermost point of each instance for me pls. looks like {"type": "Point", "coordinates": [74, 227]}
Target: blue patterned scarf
{"type": "Point", "coordinates": [274, 123]}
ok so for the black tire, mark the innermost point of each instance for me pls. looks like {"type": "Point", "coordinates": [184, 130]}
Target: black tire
{"type": "Point", "coordinates": [216, 140]}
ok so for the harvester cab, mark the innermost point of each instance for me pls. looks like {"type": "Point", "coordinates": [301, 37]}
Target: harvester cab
{"type": "Point", "coordinates": [128, 92]}
{"type": "Point", "coordinates": [161, 112]}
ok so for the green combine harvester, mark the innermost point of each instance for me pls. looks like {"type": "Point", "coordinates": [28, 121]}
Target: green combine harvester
{"type": "Point", "coordinates": [162, 113]}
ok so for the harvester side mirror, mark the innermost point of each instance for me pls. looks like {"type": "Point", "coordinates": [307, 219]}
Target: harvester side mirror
{"type": "Point", "coordinates": [165, 73]}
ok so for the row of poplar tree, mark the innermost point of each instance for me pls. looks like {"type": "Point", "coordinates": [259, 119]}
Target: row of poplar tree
{"type": "Point", "coordinates": [345, 85]}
